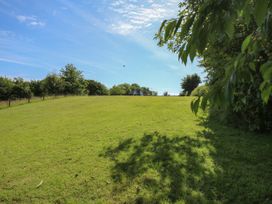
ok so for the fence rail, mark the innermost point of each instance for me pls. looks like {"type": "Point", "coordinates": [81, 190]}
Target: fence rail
{"type": "Point", "coordinates": [16, 102]}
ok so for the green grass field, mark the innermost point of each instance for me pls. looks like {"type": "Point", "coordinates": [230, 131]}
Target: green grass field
{"type": "Point", "coordinates": [128, 150]}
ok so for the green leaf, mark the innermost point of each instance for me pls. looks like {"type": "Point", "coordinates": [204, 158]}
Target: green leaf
{"type": "Point", "coordinates": [266, 90]}
{"type": "Point", "coordinates": [229, 26]}
{"type": "Point", "coordinates": [169, 29]}
{"type": "Point", "coordinates": [178, 24]}
{"type": "Point", "coordinates": [260, 11]}
{"type": "Point", "coordinates": [204, 102]}
{"type": "Point", "coordinates": [246, 43]}
{"type": "Point", "coordinates": [185, 29]}
{"type": "Point", "coordinates": [195, 105]}
{"type": "Point", "coordinates": [180, 52]}
{"type": "Point", "coordinates": [184, 57]}
{"type": "Point", "coordinates": [246, 11]}
{"type": "Point", "coordinates": [203, 35]}
{"type": "Point", "coordinates": [192, 53]}
{"type": "Point", "coordinates": [162, 26]}
{"type": "Point", "coordinates": [252, 66]}
{"type": "Point", "coordinates": [266, 70]}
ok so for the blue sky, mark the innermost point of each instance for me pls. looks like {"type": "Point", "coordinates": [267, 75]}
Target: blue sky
{"type": "Point", "coordinates": [97, 36]}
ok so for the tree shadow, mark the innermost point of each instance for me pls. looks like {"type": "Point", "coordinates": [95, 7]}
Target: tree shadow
{"type": "Point", "coordinates": [158, 168]}
{"type": "Point", "coordinates": [216, 165]}
{"type": "Point", "coordinates": [244, 163]}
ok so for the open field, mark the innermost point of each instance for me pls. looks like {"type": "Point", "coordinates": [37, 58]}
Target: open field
{"type": "Point", "coordinates": [128, 149]}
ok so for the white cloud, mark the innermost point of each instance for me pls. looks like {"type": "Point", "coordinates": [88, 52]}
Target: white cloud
{"type": "Point", "coordinates": [30, 20]}
{"type": "Point", "coordinates": [134, 16]}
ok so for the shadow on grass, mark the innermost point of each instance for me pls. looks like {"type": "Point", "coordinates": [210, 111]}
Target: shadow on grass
{"type": "Point", "coordinates": [160, 168]}
{"type": "Point", "coordinates": [215, 165]}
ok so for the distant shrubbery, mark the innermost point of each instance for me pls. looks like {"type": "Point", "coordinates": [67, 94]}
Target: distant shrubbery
{"type": "Point", "coordinates": [69, 81]}
{"type": "Point", "coordinates": [131, 89]}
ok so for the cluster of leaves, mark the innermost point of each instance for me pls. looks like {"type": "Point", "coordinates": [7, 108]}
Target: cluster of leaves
{"type": "Point", "coordinates": [189, 83]}
{"type": "Point", "coordinates": [131, 89]}
{"type": "Point", "coordinates": [234, 40]}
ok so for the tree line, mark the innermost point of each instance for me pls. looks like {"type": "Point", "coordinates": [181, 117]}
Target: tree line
{"type": "Point", "coordinates": [69, 81]}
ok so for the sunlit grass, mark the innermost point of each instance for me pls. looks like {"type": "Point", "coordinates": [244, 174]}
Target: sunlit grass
{"type": "Point", "coordinates": [128, 149]}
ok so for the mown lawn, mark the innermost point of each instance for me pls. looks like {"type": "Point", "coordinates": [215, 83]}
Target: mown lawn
{"type": "Point", "coordinates": [128, 150]}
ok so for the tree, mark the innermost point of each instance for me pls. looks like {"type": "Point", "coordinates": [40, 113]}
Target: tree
{"type": "Point", "coordinates": [189, 83]}
{"type": "Point", "coordinates": [233, 40]}
{"type": "Point", "coordinates": [38, 88]}
{"type": "Point", "coordinates": [165, 93]}
{"type": "Point", "coordinates": [117, 90]}
{"type": "Point", "coordinates": [21, 89]}
{"type": "Point", "coordinates": [126, 88]}
{"type": "Point", "coordinates": [146, 91]}
{"type": "Point", "coordinates": [135, 89]}
{"type": "Point", "coordinates": [53, 84]}
{"type": "Point", "coordinates": [6, 86]}
{"type": "Point", "coordinates": [96, 88]}
{"type": "Point", "coordinates": [73, 79]}
{"type": "Point", "coordinates": [154, 93]}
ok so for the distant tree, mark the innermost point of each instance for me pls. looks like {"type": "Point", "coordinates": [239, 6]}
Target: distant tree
{"type": "Point", "coordinates": [73, 79]}
{"type": "Point", "coordinates": [126, 88]}
{"type": "Point", "coordinates": [38, 88]}
{"type": "Point", "coordinates": [21, 89]}
{"type": "Point", "coordinates": [135, 89]}
{"type": "Point", "coordinates": [165, 93]}
{"type": "Point", "coordinates": [53, 84]}
{"type": "Point", "coordinates": [189, 83]}
{"type": "Point", "coordinates": [146, 91]}
{"type": "Point", "coordinates": [117, 90]}
{"type": "Point", "coordinates": [6, 86]}
{"type": "Point", "coordinates": [154, 93]}
{"type": "Point", "coordinates": [96, 88]}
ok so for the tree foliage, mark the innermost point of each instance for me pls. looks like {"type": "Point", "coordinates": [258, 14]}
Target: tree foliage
{"type": "Point", "coordinates": [69, 81]}
{"type": "Point", "coordinates": [54, 84]}
{"type": "Point", "coordinates": [6, 86]}
{"type": "Point", "coordinates": [21, 89]}
{"type": "Point", "coordinates": [234, 41]}
{"type": "Point", "coordinates": [189, 83]}
{"type": "Point", "coordinates": [38, 88]}
{"type": "Point", "coordinates": [96, 88]}
{"type": "Point", "coordinates": [73, 80]}
{"type": "Point", "coordinates": [131, 89]}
